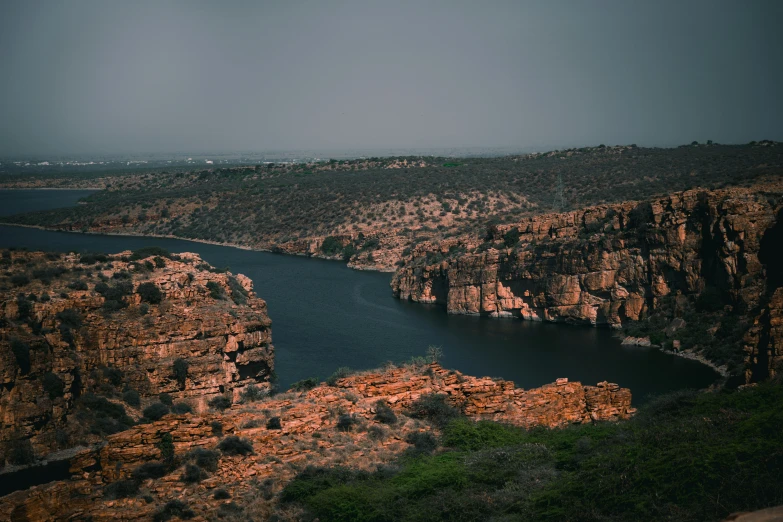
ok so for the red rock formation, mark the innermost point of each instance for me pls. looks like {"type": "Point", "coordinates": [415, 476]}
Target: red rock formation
{"type": "Point", "coordinates": [308, 435]}
{"type": "Point", "coordinates": [226, 345]}
{"type": "Point", "coordinates": [608, 264]}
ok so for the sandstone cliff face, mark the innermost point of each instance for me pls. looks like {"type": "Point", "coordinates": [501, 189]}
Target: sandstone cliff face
{"type": "Point", "coordinates": [74, 341]}
{"type": "Point", "coordinates": [609, 264]}
{"type": "Point", "coordinates": [308, 435]}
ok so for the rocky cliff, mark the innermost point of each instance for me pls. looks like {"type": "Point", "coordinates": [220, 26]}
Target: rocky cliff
{"type": "Point", "coordinates": [310, 428]}
{"type": "Point", "coordinates": [611, 264]}
{"type": "Point", "coordinates": [81, 335]}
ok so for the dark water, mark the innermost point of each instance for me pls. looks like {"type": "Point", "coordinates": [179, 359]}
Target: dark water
{"type": "Point", "coordinates": [325, 316]}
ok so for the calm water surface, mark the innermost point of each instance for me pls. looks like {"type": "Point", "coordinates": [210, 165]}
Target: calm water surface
{"type": "Point", "coordinates": [325, 315]}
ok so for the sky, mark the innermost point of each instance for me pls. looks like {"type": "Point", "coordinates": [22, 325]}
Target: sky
{"type": "Point", "coordinates": [84, 77]}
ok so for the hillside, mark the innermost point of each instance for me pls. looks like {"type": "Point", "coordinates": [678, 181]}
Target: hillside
{"type": "Point", "coordinates": [372, 211]}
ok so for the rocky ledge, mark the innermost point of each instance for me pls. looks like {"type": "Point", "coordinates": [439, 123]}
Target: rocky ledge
{"type": "Point", "coordinates": [360, 421]}
{"type": "Point", "coordinates": [616, 264]}
{"type": "Point", "coordinates": [87, 342]}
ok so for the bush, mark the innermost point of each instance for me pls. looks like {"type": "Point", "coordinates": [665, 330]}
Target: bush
{"type": "Point", "coordinates": [165, 398]}
{"type": "Point", "coordinates": [433, 408]}
{"type": "Point", "coordinates": [166, 447]}
{"type": "Point", "coordinates": [121, 489]}
{"type": "Point", "coordinates": [71, 318]}
{"type": "Point", "coordinates": [149, 470]}
{"type": "Point", "coordinates": [220, 403]}
{"type": "Point", "coordinates": [20, 280]}
{"type": "Point", "coordinates": [238, 292]}
{"type": "Point", "coordinates": [21, 351]}
{"type": "Point", "coordinates": [215, 291]}
{"type": "Point", "coordinates": [180, 371]}
{"type": "Point", "coordinates": [377, 433]}
{"type": "Point", "coordinates": [221, 494]}
{"type": "Point", "coordinates": [274, 424]}
{"type": "Point", "coordinates": [173, 508]}
{"type": "Point", "coordinates": [234, 445]}
{"type": "Point", "coordinates": [193, 474]}
{"type": "Point", "coordinates": [181, 408]}
{"type": "Point", "coordinates": [252, 393]}
{"type": "Point", "coordinates": [204, 458]}
{"type": "Point", "coordinates": [340, 373]}
{"type": "Point", "coordinates": [78, 285]}
{"type": "Point", "coordinates": [422, 442]}
{"type": "Point", "coordinates": [331, 246]}
{"type": "Point", "coordinates": [155, 411]}
{"type": "Point", "coordinates": [217, 428]}
{"type": "Point", "coordinates": [150, 293]}
{"type": "Point", "coordinates": [53, 385]}
{"type": "Point", "coordinates": [149, 251]}
{"type": "Point", "coordinates": [131, 398]}
{"type": "Point", "coordinates": [21, 452]}
{"type": "Point", "coordinates": [384, 414]}
{"type": "Point", "coordinates": [345, 422]}
{"type": "Point", "coordinates": [511, 238]}
{"type": "Point", "coordinates": [305, 384]}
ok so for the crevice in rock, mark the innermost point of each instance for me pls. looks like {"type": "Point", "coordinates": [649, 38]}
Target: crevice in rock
{"type": "Point", "coordinates": [771, 254]}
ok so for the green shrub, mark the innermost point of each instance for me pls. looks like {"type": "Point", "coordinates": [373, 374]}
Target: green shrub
{"type": "Point", "coordinates": [252, 393]}
{"type": "Point", "coordinates": [150, 293]}
{"type": "Point", "coordinates": [215, 291]}
{"type": "Point", "coordinates": [121, 489]}
{"type": "Point", "coordinates": [149, 251]}
{"type": "Point", "coordinates": [205, 459]}
{"type": "Point", "coordinates": [345, 422]}
{"type": "Point", "coordinates": [331, 246]}
{"type": "Point", "coordinates": [166, 399]}
{"type": "Point", "coordinates": [220, 403]}
{"type": "Point", "coordinates": [234, 445]}
{"type": "Point", "coordinates": [305, 384]}
{"type": "Point", "coordinates": [181, 408]}
{"type": "Point", "coordinates": [20, 452]}
{"type": "Point", "coordinates": [340, 373]}
{"type": "Point", "coordinates": [180, 371]}
{"type": "Point", "coordinates": [173, 508]}
{"type": "Point", "coordinates": [166, 447]}
{"type": "Point", "coordinates": [433, 408]}
{"type": "Point", "coordinates": [274, 424]}
{"type": "Point", "coordinates": [131, 398]}
{"type": "Point", "coordinates": [422, 442]}
{"type": "Point", "coordinates": [384, 414]}
{"type": "Point", "coordinates": [221, 494]}
{"type": "Point", "coordinates": [149, 470]}
{"type": "Point", "coordinates": [193, 474]}
{"type": "Point", "coordinates": [155, 411]}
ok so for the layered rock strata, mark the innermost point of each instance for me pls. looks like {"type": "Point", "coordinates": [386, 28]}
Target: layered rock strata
{"type": "Point", "coordinates": [308, 435]}
{"type": "Point", "coordinates": [59, 339]}
{"type": "Point", "coordinates": [610, 264]}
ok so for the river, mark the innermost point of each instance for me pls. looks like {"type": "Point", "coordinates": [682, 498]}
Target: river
{"type": "Point", "coordinates": [325, 315]}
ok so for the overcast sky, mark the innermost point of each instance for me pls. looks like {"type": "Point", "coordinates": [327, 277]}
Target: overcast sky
{"type": "Point", "coordinates": [117, 77]}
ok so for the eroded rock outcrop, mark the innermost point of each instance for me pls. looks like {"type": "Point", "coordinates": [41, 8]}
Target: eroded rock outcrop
{"type": "Point", "coordinates": [70, 328]}
{"type": "Point", "coordinates": [308, 434]}
{"type": "Point", "coordinates": [609, 264]}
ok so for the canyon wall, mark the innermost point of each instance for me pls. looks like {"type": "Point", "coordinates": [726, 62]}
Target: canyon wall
{"type": "Point", "coordinates": [309, 433]}
{"type": "Point", "coordinates": [60, 339]}
{"type": "Point", "coordinates": [609, 264]}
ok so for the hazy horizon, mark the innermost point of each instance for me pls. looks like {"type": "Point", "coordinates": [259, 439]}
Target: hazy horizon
{"type": "Point", "coordinates": [109, 78]}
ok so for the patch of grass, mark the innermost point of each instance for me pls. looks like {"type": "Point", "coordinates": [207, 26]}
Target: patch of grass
{"type": "Point", "coordinates": [685, 456]}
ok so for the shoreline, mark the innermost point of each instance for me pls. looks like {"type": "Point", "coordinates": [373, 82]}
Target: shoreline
{"type": "Point", "coordinates": [202, 241]}
{"type": "Point", "coordinates": [720, 370]}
